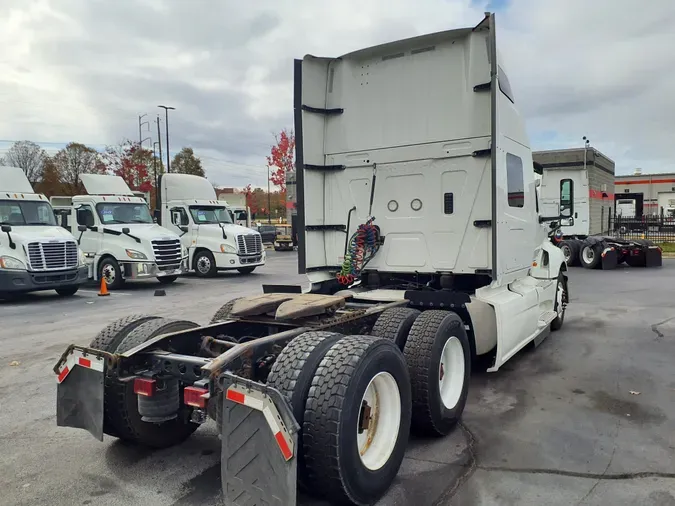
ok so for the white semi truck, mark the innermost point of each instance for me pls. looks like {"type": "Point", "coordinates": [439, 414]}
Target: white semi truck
{"type": "Point", "coordinates": [35, 253]}
{"type": "Point", "coordinates": [236, 205]}
{"type": "Point", "coordinates": [420, 234]}
{"type": "Point", "coordinates": [582, 239]}
{"type": "Point", "coordinates": [120, 240]}
{"type": "Point", "coordinates": [190, 208]}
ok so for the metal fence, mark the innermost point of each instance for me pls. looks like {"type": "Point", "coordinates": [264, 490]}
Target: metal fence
{"type": "Point", "coordinates": [655, 228]}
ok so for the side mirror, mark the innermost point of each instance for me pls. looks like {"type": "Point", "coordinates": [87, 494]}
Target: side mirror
{"type": "Point", "coordinates": [7, 228]}
{"type": "Point", "coordinates": [126, 230]}
{"type": "Point", "coordinates": [183, 229]}
{"type": "Point", "coordinates": [82, 228]}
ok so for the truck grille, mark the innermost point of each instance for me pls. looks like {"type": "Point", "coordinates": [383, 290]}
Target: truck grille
{"type": "Point", "coordinates": [250, 244]}
{"type": "Point", "coordinates": [167, 253]}
{"type": "Point", "coordinates": [52, 256]}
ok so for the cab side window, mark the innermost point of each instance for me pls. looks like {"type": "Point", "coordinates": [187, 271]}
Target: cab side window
{"type": "Point", "coordinates": [179, 217]}
{"type": "Point", "coordinates": [566, 194]}
{"type": "Point", "coordinates": [515, 181]}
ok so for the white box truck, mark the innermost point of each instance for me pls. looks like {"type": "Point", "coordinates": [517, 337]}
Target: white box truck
{"type": "Point", "coordinates": [420, 235]}
{"type": "Point", "coordinates": [120, 241]}
{"type": "Point", "coordinates": [35, 253]}
{"type": "Point", "coordinates": [188, 205]}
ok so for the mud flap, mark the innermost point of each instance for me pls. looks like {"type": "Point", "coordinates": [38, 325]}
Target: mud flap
{"type": "Point", "coordinates": [609, 259]}
{"type": "Point", "coordinates": [259, 445]}
{"type": "Point", "coordinates": [79, 398]}
{"type": "Point", "coordinates": [653, 257]}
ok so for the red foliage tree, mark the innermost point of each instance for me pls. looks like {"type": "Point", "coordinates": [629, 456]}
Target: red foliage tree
{"type": "Point", "coordinates": [130, 162]}
{"type": "Point", "coordinates": [250, 199]}
{"type": "Point", "coordinates": [282, 158]}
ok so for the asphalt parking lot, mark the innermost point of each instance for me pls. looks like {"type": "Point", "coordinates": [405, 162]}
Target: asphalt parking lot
{"type": "Point", "coordinates": [588, 418]}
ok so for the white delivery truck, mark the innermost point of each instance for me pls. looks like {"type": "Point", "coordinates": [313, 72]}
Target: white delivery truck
{"type": "Point", "coordinates": [425, 249]}
{"type": "Point", "coordinates": [35, 253]}
{"type": "Point", "coordinates": [121, 241]}
{"type": "Point", "coordinates": [189, 206]}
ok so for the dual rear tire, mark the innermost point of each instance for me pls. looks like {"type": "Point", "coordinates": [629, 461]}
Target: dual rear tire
{"type": "Point", "coordinates": [121, 417]}
{"type": "Point", "coordinates": [357, 398]}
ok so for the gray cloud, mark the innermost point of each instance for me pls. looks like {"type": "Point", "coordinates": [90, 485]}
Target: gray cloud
{"type": "Point", "coordinates": [84, 69]}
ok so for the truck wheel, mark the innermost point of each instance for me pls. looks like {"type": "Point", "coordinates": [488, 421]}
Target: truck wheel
{"type": "Point", "coordinates": [590, 256]}
{"type": "Point", "coordinates": [121, 403]}
{"type": "Point", "coordinates": [246, 270]}
{"type": "Point", "coordinates": [205, 264]}
{"type": "Point", "coordinates": [167, 280]}
{"type": "Point", "coordinates": [225, 311]}
{"type": "Point", "coordinates": [576, 249]}
{"type": "Point", "coordinates": [292, 375]}
{"type": "Point", "coordinates": [67, 291]}
{"type": "Point", "coordinates": [567, 251]}
{"type": "Point", "coordinates": [108, 339]}
{"type": "Point", "coordinates": [560, 303]}
{"type": "Point", "coordinates": [111, 336]}
{"type": "Point", "coordinates": [357, 420]}
{"type": "Point", "coordinates": [439, 358]}
{"type": "Point", "coordinates": [110, 271]}
{"type": "Point", "coordinates": [395, 324]}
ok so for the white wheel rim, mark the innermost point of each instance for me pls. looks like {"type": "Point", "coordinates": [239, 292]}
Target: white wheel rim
{"type": "Point", "coordinates": [376, 434]}
{"type": "Point", "coordinates": [203, 265]}
{"type": "Point", "coordinates": [588, 254]}
{"type": "Point", "coordinates": [567, 253]}
{"type": "Point", "coordinates": [451, 372]}
{"type": "Point", "coordinates": [108, 274]}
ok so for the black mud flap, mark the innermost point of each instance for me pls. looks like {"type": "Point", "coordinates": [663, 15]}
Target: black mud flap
{"type": "Point", "coordinates": [79, 400]}
{"type": "Point", "coordinates": [653, 257]}
{"type": "Point", "coordinates": [259, 445]}
{"type": "Point", "coordinates": [609, 259]}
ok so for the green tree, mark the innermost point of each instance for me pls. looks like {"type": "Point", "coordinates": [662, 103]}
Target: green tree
{"type": "Point", "coordinates": [185, 162]}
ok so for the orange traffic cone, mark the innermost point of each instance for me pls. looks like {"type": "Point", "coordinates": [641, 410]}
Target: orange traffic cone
{"type": "Point", "coordinates": [104, 288]}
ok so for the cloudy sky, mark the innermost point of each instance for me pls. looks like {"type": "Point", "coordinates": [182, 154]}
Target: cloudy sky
{"type": "Point", "coordinates": [83, 70]}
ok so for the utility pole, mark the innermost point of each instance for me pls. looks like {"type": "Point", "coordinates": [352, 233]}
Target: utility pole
{"type": "Point", "coordinates": [166, 110]}
{"type": "Point", "coordinates": [159, 138]}
{"type": "Point", "coordinates": [154, 161]}
{"type": "Point", "coordinates": [140, 126]}
{"type": "Point", "coordinates": [269, 197]}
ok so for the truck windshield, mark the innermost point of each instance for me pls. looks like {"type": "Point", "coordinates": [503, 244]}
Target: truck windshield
{"type": "Point", "coordinates": [21, 213]}
{"type": "Point", "coordinates": [118, 212]}
{"type": "Point", "coordinates": [209, 214]}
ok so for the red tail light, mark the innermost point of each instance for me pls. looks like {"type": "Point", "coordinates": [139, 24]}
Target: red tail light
{"type": "Point", "coordinates": [194, 396]}
{"type": "Point", "coordinates": [145, 386]}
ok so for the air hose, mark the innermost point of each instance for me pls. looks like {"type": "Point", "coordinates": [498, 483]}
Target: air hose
{"type": "Point", "coordinates": [362, 247]}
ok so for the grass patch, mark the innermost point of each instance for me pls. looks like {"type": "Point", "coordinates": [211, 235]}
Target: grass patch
{"type": "Point", "coordinates": [667, 247]}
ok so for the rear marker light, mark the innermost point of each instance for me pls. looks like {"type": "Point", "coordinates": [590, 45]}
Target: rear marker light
{"type": "Point", "coordinates": [195, 397]}
{"type": "Point", "coordinates": [145, 386]}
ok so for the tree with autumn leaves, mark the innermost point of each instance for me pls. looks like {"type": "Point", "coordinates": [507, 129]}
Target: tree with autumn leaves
{"type": "Point", "coordinates": [282, 158]}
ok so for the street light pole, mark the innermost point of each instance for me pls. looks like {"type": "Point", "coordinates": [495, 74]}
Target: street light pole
{"type": "Point", "coordinates": [166, 110]}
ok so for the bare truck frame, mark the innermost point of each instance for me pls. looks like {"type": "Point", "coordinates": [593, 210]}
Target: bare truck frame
{"type": "Point", "coordinates": [421, 236]}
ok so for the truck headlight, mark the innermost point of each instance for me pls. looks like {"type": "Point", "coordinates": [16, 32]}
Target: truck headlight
{"type": "Point", "coordinates": [227, 248]}
{"type": "Point", "coordinates": [136, 255]}
{"type": "Point", "coordinates": [7, 262]}
{"type": "Point", "coordinates": [82, 258]}
{"type": "Point", "coordinates": [185, 252]}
